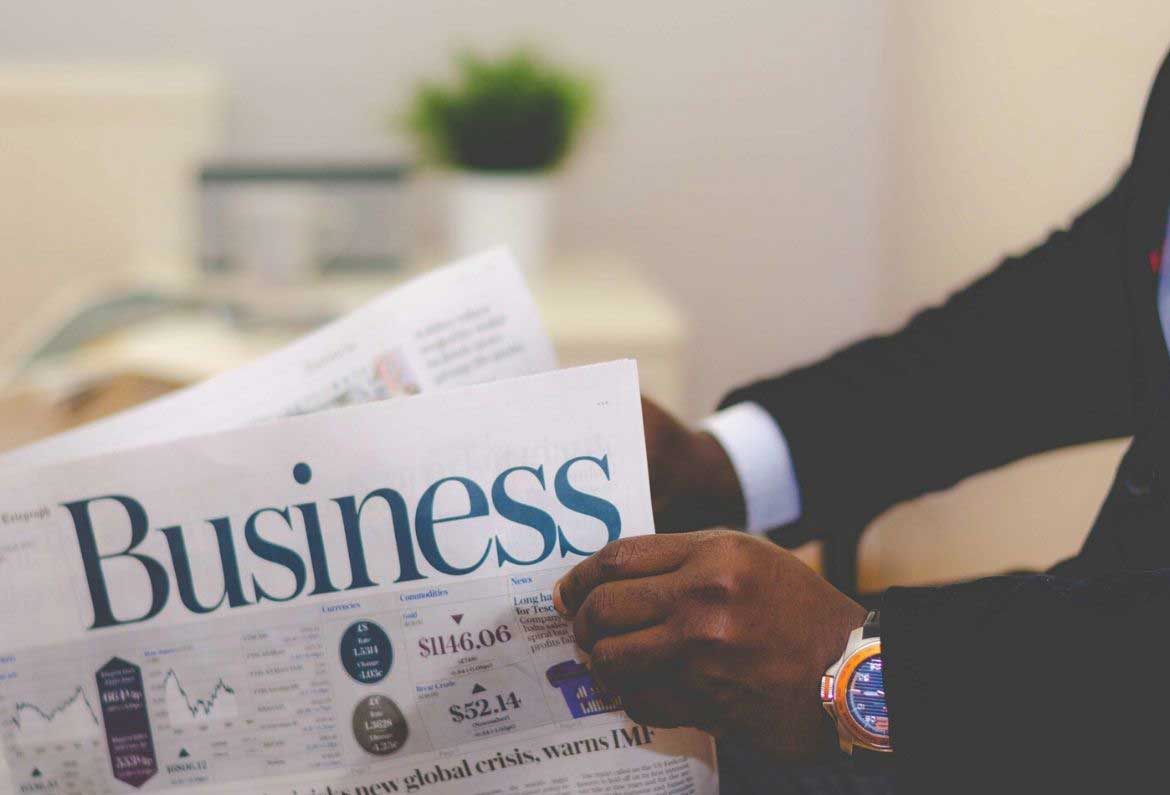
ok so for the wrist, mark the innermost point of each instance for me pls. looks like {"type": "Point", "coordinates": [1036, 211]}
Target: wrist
{"type": "Point", "coordinates": [707, 492]}
{"type": "Point", "coordinates": [720, 490]}
{"type": "Point", "coordinates": [693, 481]}
{"type": "Point", "coordinates": [703, 489]}
{"type": "Point", "coordinates": [765, 474]}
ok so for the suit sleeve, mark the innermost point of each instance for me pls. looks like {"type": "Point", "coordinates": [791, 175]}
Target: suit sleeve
{"type": "Point", "coordinates": [1033, 356]}
{"type": "Point", "coordinates": [1029, 683]}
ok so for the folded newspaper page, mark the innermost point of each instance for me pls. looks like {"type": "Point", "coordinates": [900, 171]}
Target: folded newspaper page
{"type": "Point", "coordinates": [468, 323]}
{"type": "Point", "coordinates": [353, 601]}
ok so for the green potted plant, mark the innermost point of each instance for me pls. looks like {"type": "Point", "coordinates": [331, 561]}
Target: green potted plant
{"type": "Point", "coordinates": [504, 125]}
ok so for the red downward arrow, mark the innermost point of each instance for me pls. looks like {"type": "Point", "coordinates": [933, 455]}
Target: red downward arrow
{"type": "Point", "coordinates": [457, 618]}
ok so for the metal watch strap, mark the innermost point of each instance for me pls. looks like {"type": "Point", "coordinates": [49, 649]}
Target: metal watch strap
{"type": "Point", "coordinates": [872, 628]}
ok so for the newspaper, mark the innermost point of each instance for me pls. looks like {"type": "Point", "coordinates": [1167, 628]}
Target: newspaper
{"type": "Point", "coordinates": [470, 322]}
{"type": "Point", "coordinates": [353, 601]}
{"type": "Point", "coordinates": [353, 685]}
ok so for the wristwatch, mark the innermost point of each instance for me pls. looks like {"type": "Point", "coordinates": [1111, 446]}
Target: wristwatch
{"type": "Point", "coordinates": [853, 692]}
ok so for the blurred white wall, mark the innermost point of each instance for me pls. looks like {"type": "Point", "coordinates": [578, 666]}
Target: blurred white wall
{"type": "Point", "coordinates": [736, 155]}
{"type": "Point", "coordinates": [1009, 117]}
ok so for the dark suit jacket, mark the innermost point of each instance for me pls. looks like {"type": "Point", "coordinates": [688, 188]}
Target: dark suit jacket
{"type": "Point", "coordinates": [1020, 683]}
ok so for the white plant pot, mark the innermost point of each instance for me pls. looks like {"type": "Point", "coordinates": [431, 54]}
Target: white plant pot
{"type": "Point", "coordinates": [513, 210]}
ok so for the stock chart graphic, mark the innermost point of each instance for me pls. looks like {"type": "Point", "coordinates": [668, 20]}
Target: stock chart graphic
{"type": "Point", "coordinates": [71, 719]}
{"type": "Point", "coordinates": [186, 706]}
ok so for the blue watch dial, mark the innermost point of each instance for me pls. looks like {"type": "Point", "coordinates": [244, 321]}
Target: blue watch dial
{"type": "Point", "coordinates": [865, 697]}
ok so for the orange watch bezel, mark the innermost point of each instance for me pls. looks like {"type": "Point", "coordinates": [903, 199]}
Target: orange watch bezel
{"type": "Point", "coordinates": [868, 739]}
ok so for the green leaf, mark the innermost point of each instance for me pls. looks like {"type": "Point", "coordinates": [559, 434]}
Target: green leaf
{"type": "Point", "coordinates": [514, 113]}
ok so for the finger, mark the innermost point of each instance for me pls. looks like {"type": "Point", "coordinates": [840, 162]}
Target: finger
{"type": "Point", "coordinates": [615, 608]}
{"type": "Point", "coordinates": [644, 658]}
{"type": "Point", "coordinates": [661, 706]}
{"type": "Point", "coordinates": [626, 558]}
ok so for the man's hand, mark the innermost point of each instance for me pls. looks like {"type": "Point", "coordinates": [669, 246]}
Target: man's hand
{"type": "Point", "coordinates": [692, 482]}
{"type": "Point", "coordinates": [714, 629]}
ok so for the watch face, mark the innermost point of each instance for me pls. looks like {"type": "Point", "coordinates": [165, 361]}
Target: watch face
{"type": "Point", "coordinates": [865, 697]}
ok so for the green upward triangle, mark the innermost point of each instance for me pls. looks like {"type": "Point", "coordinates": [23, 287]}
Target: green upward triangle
{"type": "Point", "coordinates": [183, 753]}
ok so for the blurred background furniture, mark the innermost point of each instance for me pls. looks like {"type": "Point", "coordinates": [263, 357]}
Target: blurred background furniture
{"type": "Point", "coordinates": [595, 307]}
{"type": "Point", "coordinates": [96, 169]}
{"type": "Point", "coordinates": [287, 221]}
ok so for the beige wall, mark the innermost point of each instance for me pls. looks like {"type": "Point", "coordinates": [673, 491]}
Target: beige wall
{"type": "Point", "coordinates": [1009, 117]}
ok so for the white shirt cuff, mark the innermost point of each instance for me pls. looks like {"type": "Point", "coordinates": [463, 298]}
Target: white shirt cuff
{"type": "Point", "coordinates": [761, 459]}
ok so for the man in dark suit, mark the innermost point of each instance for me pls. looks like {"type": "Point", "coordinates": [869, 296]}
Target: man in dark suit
{"type": "Point", "coordinates": [1037, 683]}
